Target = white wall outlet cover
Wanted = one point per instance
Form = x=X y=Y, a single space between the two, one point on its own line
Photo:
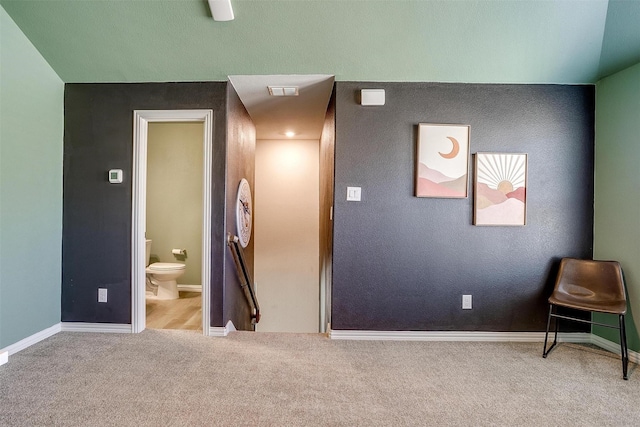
x=115 y=176
x=102 y=295
x=354 y=194
x=466 y=302
x=372 y=97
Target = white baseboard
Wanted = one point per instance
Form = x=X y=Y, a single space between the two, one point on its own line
x=96 y=327
x=217 y=331
x=614 y=348
x=190 y=288
x=31 y=340
x=221 y=331
x=4 y=357
x=580 y=337
x=573 y=337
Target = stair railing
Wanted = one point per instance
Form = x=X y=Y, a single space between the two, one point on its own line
x=244 y=276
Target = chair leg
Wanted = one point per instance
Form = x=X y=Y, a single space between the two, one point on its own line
x=624 y=351
x=545 y=352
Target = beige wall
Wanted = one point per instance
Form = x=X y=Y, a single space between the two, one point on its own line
x=174 y=194
x=286 y=235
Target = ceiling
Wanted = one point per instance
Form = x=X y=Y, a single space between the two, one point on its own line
x=274 y=115
x=472 y=41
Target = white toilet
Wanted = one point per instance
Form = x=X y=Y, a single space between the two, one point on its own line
x=164 y=275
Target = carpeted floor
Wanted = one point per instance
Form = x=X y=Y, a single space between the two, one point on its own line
x=180 y=378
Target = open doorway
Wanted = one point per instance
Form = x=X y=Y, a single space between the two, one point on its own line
x=174 y=225
x=294 y=120
x=170 y=247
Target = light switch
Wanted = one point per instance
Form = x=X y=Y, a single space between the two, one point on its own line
x=354 y=194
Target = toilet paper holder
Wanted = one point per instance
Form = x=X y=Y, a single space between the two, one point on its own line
x=179 y=254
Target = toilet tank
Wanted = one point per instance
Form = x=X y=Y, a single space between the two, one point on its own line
x=147 y=251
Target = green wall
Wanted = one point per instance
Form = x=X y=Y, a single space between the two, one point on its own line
x=31 y=130
x=617 y=181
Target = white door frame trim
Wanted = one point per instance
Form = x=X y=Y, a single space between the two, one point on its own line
x=141 y=120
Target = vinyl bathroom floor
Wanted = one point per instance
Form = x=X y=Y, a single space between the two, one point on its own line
x=182 y=313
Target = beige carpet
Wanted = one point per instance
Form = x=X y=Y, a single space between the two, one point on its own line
x=180 y=378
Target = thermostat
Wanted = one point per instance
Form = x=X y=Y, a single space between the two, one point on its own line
x=115 y=176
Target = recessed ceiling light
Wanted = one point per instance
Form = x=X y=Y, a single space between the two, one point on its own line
x=283 y=90
x=290 y=134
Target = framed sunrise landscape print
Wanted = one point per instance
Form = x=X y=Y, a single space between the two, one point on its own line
x=442 y=164
x=500 y=189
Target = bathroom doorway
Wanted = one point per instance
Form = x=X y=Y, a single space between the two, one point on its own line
x=171 y=219
x=174 y=225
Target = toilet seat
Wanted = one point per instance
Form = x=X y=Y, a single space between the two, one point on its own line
x=166 y=266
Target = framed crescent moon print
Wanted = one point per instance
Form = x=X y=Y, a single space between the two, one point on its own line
x=442 y=165
x=244 y=212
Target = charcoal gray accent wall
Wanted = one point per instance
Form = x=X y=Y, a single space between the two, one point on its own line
x=403 y=263
x=96 y=237
x=241 y=148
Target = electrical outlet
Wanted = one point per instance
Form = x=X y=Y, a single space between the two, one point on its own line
x=102 y=295
x=466 y=302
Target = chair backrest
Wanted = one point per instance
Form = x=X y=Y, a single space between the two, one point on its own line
x=601 y=279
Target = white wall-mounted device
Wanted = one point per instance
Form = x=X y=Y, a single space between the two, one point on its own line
x=115 y=176
x=466 y=302
x=102 y=294
x=221 y=10
x=372 y=97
